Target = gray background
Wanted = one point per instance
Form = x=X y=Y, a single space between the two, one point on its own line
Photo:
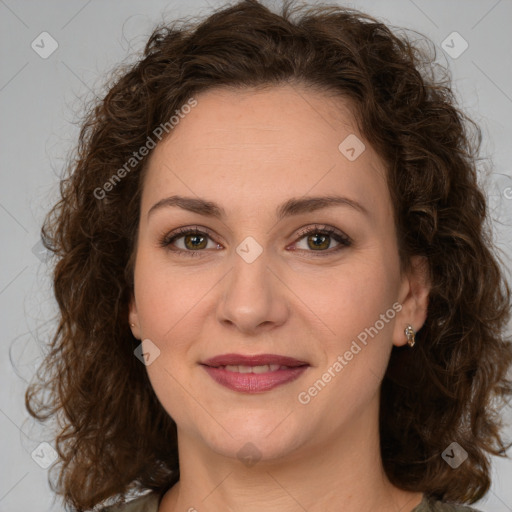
x=40 y=100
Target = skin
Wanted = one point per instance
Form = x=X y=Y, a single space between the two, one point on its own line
x=249 y=151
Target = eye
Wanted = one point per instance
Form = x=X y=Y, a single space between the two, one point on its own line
x=194 y=241
x=318 y=238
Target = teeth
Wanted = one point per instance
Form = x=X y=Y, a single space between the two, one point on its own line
x=254 y=369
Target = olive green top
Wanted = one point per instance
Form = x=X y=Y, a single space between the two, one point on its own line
x=431 y=505
x=150 y=502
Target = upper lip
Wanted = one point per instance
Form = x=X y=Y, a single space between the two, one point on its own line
x=256 y=360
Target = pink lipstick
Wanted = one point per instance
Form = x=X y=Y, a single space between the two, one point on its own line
x=253 y=374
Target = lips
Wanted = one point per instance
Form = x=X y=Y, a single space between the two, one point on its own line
x=253 y=374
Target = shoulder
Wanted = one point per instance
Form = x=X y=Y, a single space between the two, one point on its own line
x=147 y=503
x=432 y=505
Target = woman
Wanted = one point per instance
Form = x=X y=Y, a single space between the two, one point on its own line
x=276 y=283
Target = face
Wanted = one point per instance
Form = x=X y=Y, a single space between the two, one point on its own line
x=317 y=282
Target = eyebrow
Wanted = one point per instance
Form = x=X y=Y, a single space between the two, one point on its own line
x=294 y=206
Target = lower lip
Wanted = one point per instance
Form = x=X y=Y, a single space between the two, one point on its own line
x=254 y=382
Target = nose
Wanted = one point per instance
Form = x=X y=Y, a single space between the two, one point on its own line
x=253 y=298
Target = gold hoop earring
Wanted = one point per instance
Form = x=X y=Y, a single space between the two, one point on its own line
x=409 y=332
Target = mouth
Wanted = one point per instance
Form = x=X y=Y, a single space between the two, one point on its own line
x=253 y=374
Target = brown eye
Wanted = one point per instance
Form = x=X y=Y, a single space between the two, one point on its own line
x=194 y=241
x=318 y=239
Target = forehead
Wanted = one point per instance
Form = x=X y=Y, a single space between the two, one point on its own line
x=262 y=146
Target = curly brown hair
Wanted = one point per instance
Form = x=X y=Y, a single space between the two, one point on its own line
x=114 y=435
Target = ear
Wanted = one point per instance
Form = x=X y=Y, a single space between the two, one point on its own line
x=133 y=318
x=413 y=296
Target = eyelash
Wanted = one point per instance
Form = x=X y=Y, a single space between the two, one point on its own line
x=338 y=236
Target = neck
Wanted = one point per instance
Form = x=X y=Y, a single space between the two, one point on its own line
x=344 y=472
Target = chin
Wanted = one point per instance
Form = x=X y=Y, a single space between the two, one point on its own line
x=255 y=437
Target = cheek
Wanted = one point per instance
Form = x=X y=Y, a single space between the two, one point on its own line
x=164 y=295
x=358 y=352
x=356 y=299
x=165 y=304
x=172 y=302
